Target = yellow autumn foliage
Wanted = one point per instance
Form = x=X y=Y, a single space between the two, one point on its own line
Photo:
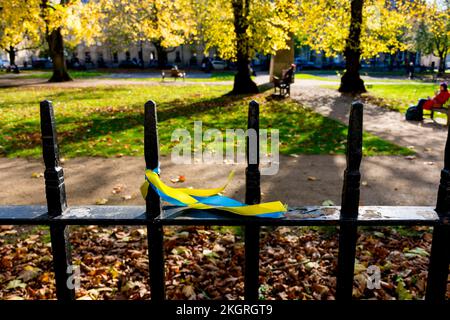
x=325 y=26
x=170 y=23
x=25 y=22
x=18 y=23
x=271 y=24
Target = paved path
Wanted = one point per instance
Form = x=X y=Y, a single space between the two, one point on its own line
x=427 y=138
x=303 y=180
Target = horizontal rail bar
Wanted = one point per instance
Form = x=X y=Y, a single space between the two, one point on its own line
x=23 y=215
x=306 y=216
x=135 y=215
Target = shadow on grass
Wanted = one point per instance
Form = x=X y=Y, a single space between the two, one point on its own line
x=26 y=134
x=114 y=130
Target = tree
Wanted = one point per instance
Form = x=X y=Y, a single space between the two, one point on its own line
x=238 y=29
x=19 y=26
x=356 y=28
x=242 y=80
x=26 y=22
x=432 y=21
x=69 y=21
x=351 y=81
x=165 y=24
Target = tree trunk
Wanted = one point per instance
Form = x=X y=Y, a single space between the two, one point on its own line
x=441 y=70
x=12 y=55
x=161 y=55
x=56 y=50
x=351 y=82
x=391 y=62
x=243 y=83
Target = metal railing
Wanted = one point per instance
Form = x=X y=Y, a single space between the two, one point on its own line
x=58 y=216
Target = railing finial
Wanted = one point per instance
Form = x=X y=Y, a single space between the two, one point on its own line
x=155 y=236
x=352 y=175
x=350 y=204
x=252 y=173
x=56 y=202
x=252 y=196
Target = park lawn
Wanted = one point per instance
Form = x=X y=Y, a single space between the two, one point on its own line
x=192 y=77
x=312 y=76
x=221 y=76
x=399 y=97
x=153 y=76
x=363 y=72
x=73 y=74
x=107 y=121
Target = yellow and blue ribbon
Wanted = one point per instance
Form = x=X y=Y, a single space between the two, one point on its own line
x=209 y=198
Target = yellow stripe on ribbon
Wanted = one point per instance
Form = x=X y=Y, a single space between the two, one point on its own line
x=186 y=197
x=208 y=192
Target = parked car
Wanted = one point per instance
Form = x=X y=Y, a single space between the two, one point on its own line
x=41 y=63
x=219 y=64
x=153 y=63
x=339 y=65
x=305 y=64
x=299 y=61
x=128 y=64
x=4 y=64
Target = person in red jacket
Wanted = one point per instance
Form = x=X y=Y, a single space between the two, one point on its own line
x=438 y=101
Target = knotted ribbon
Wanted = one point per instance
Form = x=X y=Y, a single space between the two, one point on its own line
x=209 y=198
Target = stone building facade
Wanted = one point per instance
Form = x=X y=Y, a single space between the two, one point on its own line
x=183 y=56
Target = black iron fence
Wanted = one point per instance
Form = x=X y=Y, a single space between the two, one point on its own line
x=58 y=216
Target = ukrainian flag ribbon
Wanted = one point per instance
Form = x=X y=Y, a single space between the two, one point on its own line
x=209 y=198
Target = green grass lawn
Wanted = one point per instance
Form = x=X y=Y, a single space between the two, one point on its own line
x=314 y=76
x=364 y=72
x=107 y=121
x=190 y=77
x=397 y=97
x=153 y=76
x=73 y=74
x=222 y=76
x=400 y=97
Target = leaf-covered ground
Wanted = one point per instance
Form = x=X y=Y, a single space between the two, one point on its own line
x=207 y=263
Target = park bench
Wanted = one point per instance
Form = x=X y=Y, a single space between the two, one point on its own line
x=348 y=217
x=173 y=73
x=283 y=84
x=441 y=109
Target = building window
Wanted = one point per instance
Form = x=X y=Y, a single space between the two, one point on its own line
x=115 y=57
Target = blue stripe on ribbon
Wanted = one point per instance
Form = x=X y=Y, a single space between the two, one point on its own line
x=168 y=199
x=216 y=200
x=222 y=201
x=271 y=215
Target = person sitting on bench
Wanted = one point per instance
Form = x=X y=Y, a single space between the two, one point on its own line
x=289 y=74
x=284 y=83
x=438 y=101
